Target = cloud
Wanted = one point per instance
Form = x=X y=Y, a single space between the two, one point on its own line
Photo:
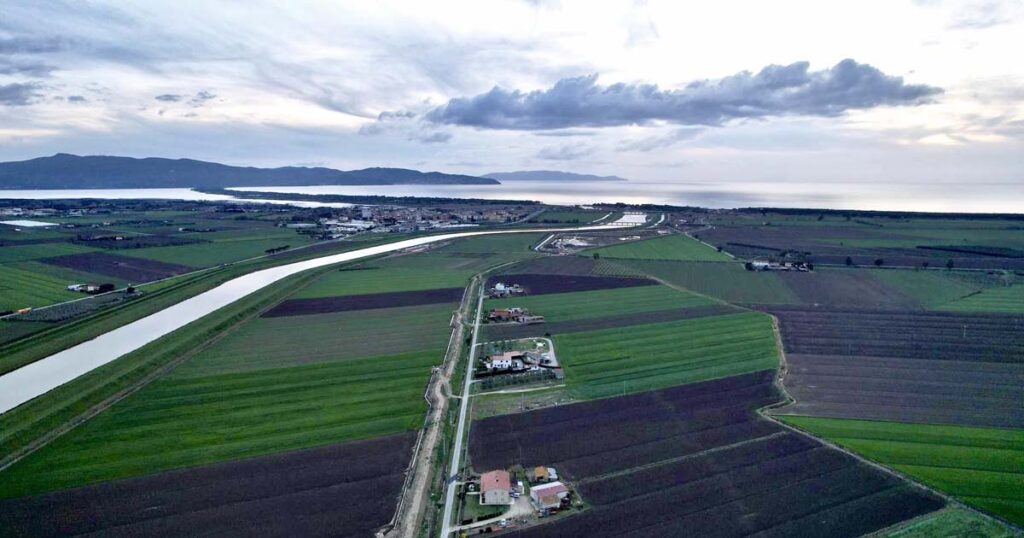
x=776 y=90
x=169 y=97
x=32 y=45
x=27 y=68
x=18 y=94
x=565 y=153
x=981 y=15
x=432 y=138
x=662 y=141
x=201 y=97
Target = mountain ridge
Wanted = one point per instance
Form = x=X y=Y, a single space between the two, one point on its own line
x=68 y=171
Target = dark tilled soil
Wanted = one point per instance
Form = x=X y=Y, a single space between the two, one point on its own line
x=925 y=367
x=342 y=490
x=541 y=284
x=509 y=332
x=967 y=393
x=121 y=267
x=323 y=305
x=695 y=460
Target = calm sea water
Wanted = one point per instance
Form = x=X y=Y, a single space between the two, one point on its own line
x=969 y=198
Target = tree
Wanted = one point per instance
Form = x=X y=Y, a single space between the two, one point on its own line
x=879 y=262
x=597 y=255
x=849 y=261
x=949 y=263
x=924 y=264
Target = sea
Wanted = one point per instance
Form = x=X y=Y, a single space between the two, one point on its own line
x=929 y=197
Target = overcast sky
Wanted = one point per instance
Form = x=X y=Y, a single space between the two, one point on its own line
x=887 y=91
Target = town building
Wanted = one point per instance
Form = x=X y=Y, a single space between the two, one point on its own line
x=495 y=487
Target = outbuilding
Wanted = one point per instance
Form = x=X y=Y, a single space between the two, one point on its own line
x=548 y=497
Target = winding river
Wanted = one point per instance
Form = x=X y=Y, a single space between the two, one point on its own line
x=44 y=375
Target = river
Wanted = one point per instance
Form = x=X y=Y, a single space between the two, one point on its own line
x=42 y=376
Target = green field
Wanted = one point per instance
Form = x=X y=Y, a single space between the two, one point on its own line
x=601 y=303
x=929 y=288
x=606 y=363
x=1004 y=299
x=24 y=287
x=296 y=340
x=949 y=523
x=670 y=247
x=728 y=281
x=983 y=467
x=20 y=253
x=216 y=253
x=569 y=217
x=181 y=421
x=402 y=273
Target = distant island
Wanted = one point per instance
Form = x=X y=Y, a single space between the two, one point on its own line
x=65 y=171
x=549 y=175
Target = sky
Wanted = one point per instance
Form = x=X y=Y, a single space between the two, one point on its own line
x=923 y=92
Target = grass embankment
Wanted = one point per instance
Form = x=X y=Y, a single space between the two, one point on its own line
x=602 y=303
x=983 y=467
x=607 y=363
x=669 y=247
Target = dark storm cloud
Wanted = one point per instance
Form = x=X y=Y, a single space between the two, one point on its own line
x=18 y=94
x=76 y=99
x=777 y=90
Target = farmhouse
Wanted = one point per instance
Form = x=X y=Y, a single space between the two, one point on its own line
x=506 y=314
x=547 y=497
x=494 y=488
x=510 y=360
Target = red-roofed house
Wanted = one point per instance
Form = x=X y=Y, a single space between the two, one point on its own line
x=548 y=496
x=494 y=488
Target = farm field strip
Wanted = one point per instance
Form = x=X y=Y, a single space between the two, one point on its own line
x=670 y=247
x=511 y=332
x=545 y=283
x=648 y=357
x=231 y=416
x=727 y=281
x=297 y=340
x=1006 y=299
x=314 y=492
x=21 y=253
x=120 y=267
x=694 y=459
x=216 y=253
x=911 y=390
x=982 y=467
x=20 y=289
x=374 y=301
x=561 y=307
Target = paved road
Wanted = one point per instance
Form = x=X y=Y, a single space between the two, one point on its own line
x=460 y=431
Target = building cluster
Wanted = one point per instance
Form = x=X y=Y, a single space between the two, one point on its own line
x=382 y=219
x=500 y=289
x=519 y=361
x=513 y=315
x=548 y=495
x=761 y=265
